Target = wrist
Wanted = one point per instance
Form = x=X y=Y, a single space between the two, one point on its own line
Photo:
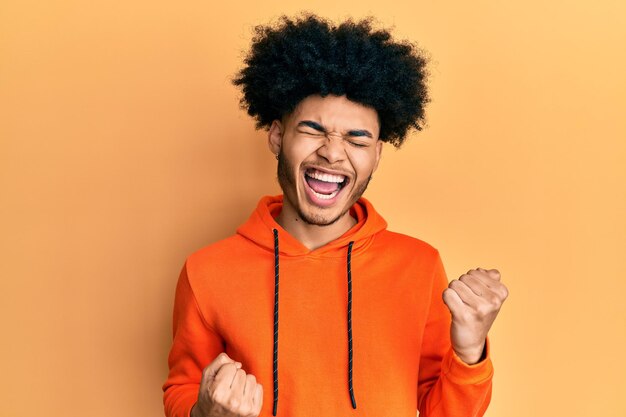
x=471 y=356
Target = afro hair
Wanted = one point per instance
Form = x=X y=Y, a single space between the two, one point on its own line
x=297 y=58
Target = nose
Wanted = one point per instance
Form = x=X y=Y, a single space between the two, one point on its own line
x=332 y=148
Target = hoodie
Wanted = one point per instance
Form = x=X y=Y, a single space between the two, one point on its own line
x=356 y=327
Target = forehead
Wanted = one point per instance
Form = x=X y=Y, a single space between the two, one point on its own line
x=335 y=113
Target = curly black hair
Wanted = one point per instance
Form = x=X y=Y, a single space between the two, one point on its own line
x=308 y=55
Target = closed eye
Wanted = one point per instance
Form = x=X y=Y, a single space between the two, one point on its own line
x=314 y=129
x=357 y=144
x=311 y=133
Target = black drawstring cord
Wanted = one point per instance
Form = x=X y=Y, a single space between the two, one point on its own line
x=350 y=325
x=275 y=321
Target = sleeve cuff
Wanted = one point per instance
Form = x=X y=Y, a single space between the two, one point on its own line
x=461 y=373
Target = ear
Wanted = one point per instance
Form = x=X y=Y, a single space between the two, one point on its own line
x=275 y=136
x=379 y=150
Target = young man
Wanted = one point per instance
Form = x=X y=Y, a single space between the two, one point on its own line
x=368 y=323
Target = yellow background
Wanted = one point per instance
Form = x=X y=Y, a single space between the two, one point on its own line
x=123 y=150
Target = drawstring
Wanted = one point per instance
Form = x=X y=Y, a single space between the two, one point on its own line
x=350 y=326
x=276 y=323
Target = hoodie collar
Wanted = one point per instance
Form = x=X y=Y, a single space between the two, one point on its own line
x=258 y=228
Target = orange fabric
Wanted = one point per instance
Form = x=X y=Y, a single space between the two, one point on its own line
x=402 y=362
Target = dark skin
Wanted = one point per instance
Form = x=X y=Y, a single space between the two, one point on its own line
x=339 y=138
x=333 y=136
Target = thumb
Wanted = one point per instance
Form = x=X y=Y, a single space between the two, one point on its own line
x=211 y=370
x=452 y=301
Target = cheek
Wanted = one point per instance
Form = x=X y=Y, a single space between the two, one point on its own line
x=300 y=152
x=363 y=163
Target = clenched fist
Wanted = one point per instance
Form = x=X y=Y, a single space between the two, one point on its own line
x=474 y=301
x=226 y=391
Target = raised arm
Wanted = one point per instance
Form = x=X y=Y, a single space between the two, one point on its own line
x=455 y=367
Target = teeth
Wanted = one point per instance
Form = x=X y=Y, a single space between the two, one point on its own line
x=322 y=176
x=325 y=196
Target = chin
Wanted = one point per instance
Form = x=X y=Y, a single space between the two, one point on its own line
x=320 y=219
x=323 y=212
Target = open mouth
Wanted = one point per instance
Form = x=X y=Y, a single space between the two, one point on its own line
x=324 y=186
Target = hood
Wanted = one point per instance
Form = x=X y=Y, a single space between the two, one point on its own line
x=261 y=223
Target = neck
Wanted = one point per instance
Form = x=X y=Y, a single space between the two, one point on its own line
x=310 y=235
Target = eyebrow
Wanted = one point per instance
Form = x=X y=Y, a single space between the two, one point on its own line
x=320 y=128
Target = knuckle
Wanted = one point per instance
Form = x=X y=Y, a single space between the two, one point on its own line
x=495 y=304
x=216 y=395
x=222 y=358
x=505 y=292
x=484 y=309
x=233 y=403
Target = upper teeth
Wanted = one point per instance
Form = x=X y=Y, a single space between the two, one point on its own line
x=322 y=176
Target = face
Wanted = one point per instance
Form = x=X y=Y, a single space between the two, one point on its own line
x=328 y=148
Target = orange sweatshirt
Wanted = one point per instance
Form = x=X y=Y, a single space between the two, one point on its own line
x=374 y=335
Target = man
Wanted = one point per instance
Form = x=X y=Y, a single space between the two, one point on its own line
x=368 y=323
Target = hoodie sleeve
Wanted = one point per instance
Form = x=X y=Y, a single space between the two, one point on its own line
x=195 y=345
x=448 y=387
